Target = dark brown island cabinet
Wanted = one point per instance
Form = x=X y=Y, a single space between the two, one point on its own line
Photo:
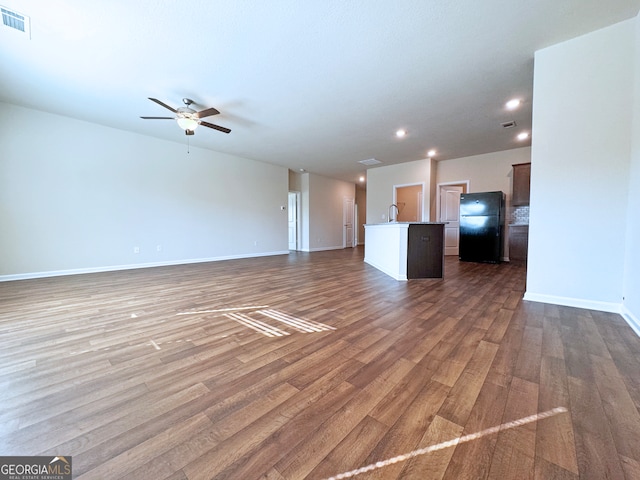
x=519 y=233
x=425 y=250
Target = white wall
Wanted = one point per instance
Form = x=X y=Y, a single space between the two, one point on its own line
x=631 y=286
x=380 y=186
x=486 y=173
x=295 y=181
x=77 y=196
x=580 y=169
x=322 y=200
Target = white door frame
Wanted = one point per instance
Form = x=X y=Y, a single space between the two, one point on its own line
x=348 y=242
x=297 y=218
x=417 y=184
x=356 y=225
x=441 y=187
x=464 y=183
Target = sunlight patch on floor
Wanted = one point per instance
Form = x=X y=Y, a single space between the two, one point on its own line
x=222 y=310
x=451 y=443
x=257 y=325
x=262 y=320
x=305 y=326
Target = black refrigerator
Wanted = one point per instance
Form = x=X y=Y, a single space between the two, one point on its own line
x=481 y=227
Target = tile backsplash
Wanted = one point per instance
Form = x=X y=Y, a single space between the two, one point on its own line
x=520 y=214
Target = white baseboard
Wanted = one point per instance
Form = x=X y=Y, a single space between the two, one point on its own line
x=394 y=275
x=112 y=268
x=574 y=302
x=611 y=307
x=631 y=319
x=322 y=249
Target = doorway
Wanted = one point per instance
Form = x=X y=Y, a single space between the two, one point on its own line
x=409 y=199
x=293 y=217
x=448 y=209
x=348 y=231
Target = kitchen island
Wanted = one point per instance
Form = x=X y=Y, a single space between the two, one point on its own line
x=405 y=250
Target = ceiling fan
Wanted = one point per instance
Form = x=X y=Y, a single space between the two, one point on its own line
x=187 y=118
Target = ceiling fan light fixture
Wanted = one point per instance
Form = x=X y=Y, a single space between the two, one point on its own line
x=187 y=123
x=187 y=118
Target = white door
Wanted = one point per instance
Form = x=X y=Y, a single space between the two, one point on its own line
x=293 y=221
x=347 y=216
x=450 y=212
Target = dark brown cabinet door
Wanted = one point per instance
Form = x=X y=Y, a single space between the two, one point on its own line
x=425 y=251
x=521 y=184
x=518 y=243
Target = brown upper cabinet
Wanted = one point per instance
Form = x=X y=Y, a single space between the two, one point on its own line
x=521 y=184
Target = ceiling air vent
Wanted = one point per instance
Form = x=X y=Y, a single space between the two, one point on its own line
x=510 y=124
x=15 y=21
x=370 y=161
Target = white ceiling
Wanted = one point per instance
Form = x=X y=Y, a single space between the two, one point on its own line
x=306 y=84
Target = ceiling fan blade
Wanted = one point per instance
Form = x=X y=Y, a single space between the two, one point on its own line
x=159 y=118
x=162 y=104
x=215 y=127
x=207 y=113
x=189 y=132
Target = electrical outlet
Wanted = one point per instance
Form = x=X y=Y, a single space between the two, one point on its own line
x=255 y=243
x=136 y=249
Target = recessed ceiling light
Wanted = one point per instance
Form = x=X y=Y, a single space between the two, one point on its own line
x=362 y=179
x=431 y=153
x=401 y=133
x=513 y=104
x=523 y=136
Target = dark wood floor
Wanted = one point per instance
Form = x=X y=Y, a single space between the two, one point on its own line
x=315 y=366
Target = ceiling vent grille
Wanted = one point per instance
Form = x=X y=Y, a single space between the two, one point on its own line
x=510 y=124
x=370 y=161
x=15 y=21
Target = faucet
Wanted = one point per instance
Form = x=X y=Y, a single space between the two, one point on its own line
x=391 y=207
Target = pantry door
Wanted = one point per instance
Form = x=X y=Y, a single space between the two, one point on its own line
x=450 y=212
